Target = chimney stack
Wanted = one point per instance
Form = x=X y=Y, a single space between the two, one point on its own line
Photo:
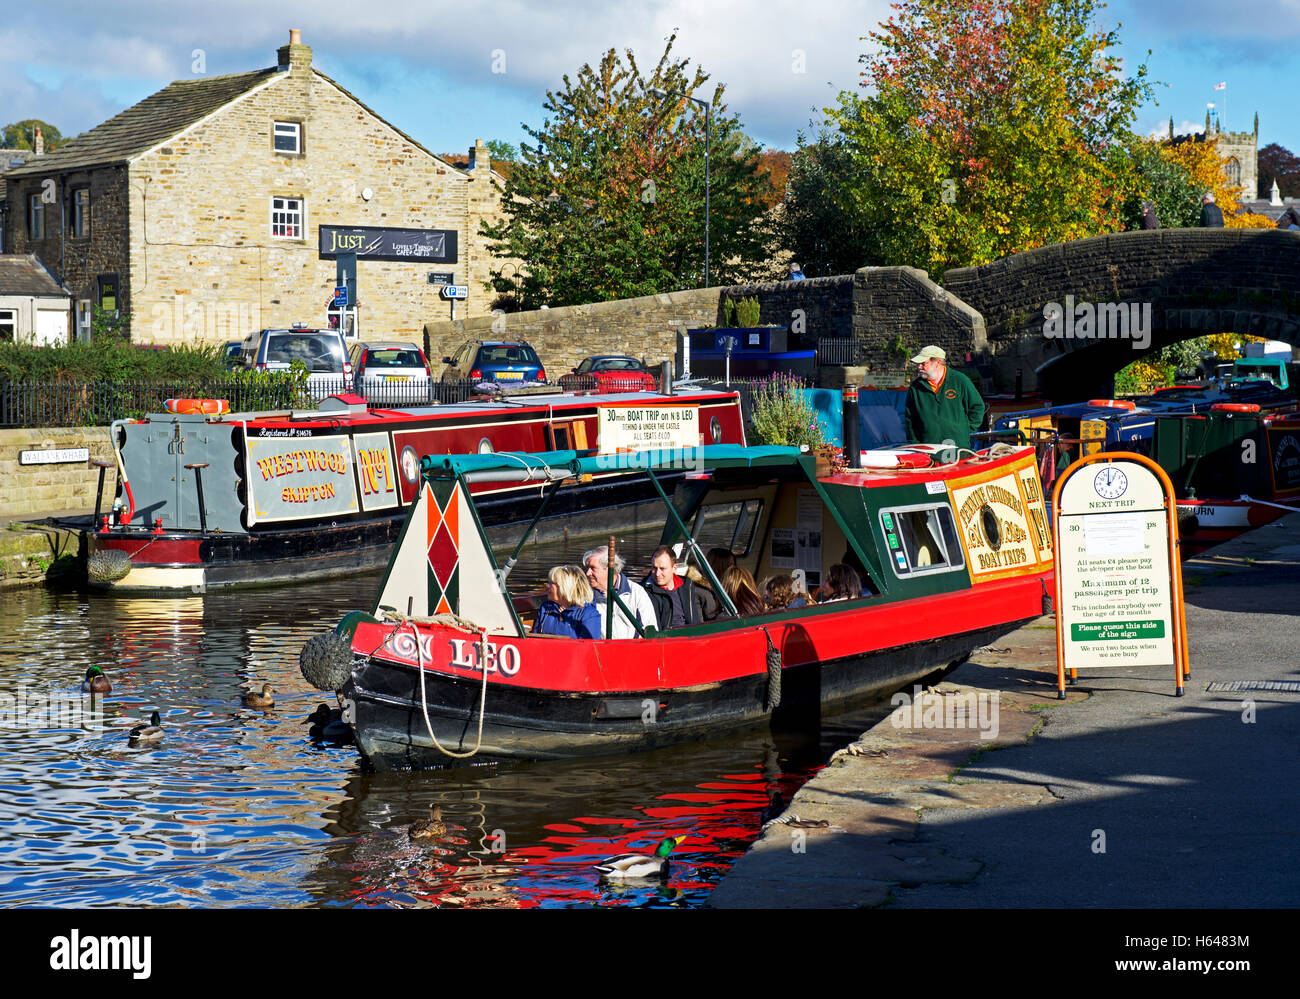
x=294 y=57
x=39 y=142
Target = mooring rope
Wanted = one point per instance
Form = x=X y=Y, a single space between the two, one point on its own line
x=424 y=702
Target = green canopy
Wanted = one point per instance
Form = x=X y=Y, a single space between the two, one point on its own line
x=587 y=463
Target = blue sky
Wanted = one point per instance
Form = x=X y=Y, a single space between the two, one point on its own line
x=429 y=66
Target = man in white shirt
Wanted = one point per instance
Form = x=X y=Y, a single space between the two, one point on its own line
x=633 y=595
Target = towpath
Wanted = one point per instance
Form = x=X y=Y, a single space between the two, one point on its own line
x=1121 y=796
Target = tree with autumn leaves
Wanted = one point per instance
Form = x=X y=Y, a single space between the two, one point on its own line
x=986 y=127
x=608 y=201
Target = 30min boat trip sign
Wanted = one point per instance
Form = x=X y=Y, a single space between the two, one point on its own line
x=639 y=427
x=1118 y=599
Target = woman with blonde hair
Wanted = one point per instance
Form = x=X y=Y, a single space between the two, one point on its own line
x=569 y=608
x=743 y=591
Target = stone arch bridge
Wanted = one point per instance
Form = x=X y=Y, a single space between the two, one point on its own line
x=1066 y=317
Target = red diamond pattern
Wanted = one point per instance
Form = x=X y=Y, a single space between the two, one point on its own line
x=442 y=555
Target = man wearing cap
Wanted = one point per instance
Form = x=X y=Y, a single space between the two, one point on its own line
x=942 y=406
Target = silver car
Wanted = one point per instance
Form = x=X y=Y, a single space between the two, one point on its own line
x=321 y=351
x=391 y=373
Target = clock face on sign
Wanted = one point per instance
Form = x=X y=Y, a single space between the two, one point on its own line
x=1110 y=482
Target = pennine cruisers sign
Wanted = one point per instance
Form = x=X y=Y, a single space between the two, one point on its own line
x=436 y=246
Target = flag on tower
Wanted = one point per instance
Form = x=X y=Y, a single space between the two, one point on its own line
x=1222 y=86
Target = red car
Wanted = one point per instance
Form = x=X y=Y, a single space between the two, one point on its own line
x=609 y=373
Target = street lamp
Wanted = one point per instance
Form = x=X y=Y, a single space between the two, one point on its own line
x=707 y=143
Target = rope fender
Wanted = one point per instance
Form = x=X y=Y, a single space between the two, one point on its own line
x=774 y=665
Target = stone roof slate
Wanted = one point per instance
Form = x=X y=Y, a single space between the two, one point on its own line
x=142 y=126
x=22 y=274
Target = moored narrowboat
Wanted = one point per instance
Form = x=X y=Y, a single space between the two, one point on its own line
x=444 y=666
x=232 y=499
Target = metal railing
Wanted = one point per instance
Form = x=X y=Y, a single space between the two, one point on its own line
x=837 y=350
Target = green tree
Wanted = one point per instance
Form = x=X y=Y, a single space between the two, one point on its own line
x=608 y=201
x=989 y=127
x=819 y=224
x=502 y=150
x=1171 y=189
x=22 y=135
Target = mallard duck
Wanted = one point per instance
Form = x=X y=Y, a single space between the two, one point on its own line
x=96 y=682
x=636 y=865
x=261 y=701
x=145 y=734
x=430 y=828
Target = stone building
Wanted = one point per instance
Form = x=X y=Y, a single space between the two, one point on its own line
x=33 y=308
x=216 y=207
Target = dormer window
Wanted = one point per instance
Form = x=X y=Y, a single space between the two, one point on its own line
x=287 y=138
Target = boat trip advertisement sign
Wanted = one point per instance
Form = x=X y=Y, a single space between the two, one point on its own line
x=299 y=478
x=1002 y=521
x=1115 y=582
x=640 y=427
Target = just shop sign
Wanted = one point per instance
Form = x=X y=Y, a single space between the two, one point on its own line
x=437 y=246
x=1102 y=321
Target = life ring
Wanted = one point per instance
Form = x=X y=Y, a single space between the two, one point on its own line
x=1235 y=407
x=205 y=407
x=1112 y=403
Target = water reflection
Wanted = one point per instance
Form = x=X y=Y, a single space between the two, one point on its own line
x=244 y=807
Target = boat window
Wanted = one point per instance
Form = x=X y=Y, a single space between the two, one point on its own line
x=728 y=525
x=921 y=539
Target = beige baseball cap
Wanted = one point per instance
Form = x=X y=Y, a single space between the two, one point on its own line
x=930 y=353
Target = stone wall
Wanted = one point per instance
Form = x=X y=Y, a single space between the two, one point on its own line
x=32 y=491
x=812 y=309
x=648 y=328
x=898 y=310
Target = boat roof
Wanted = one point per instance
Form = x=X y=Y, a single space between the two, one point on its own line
x=713 y=456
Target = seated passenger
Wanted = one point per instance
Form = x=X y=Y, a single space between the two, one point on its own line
x=569 y=608
x=635 y=599
x=780 y=593
x=842 y=583
x=679 y=599
x=743 y=591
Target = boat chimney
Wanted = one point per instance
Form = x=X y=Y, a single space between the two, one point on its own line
x=852 y=446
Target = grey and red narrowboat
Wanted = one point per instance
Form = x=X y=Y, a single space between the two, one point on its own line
x=217 y=500
x=444 y=666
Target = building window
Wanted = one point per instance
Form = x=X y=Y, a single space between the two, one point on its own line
x=84 y=313
x=81 y=212
x=287 y=137
x=8 y=325
x=35 y=217
x=1233 y=170
x=286 y=218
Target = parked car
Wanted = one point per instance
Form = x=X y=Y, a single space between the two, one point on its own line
x=390 y=372
x=609 y=373
x=495 y=361
x=321 y=350
x=231 y=354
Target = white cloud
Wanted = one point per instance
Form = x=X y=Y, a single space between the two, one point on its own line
x=1183 y=127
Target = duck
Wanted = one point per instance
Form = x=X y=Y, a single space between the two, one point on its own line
x=430 y=828
x=96 y=682
x=144 y=734
x=636 y=865
x=262 y=701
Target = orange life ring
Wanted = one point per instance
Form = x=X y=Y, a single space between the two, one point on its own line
x=1235 y=407
x=205 y=407
x=1112 y=403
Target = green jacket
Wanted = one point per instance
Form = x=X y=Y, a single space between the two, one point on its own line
x=952 y=413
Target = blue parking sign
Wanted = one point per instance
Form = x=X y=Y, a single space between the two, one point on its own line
x=341 y=297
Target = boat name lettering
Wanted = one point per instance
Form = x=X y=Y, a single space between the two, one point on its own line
x=376 y=471
x=990 y=492
x=302 y=461
x=503 y=658
x=307 y=494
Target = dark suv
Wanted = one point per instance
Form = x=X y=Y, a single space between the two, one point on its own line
x=504 y=362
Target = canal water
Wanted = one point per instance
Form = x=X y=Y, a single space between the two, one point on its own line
x=237 y=807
